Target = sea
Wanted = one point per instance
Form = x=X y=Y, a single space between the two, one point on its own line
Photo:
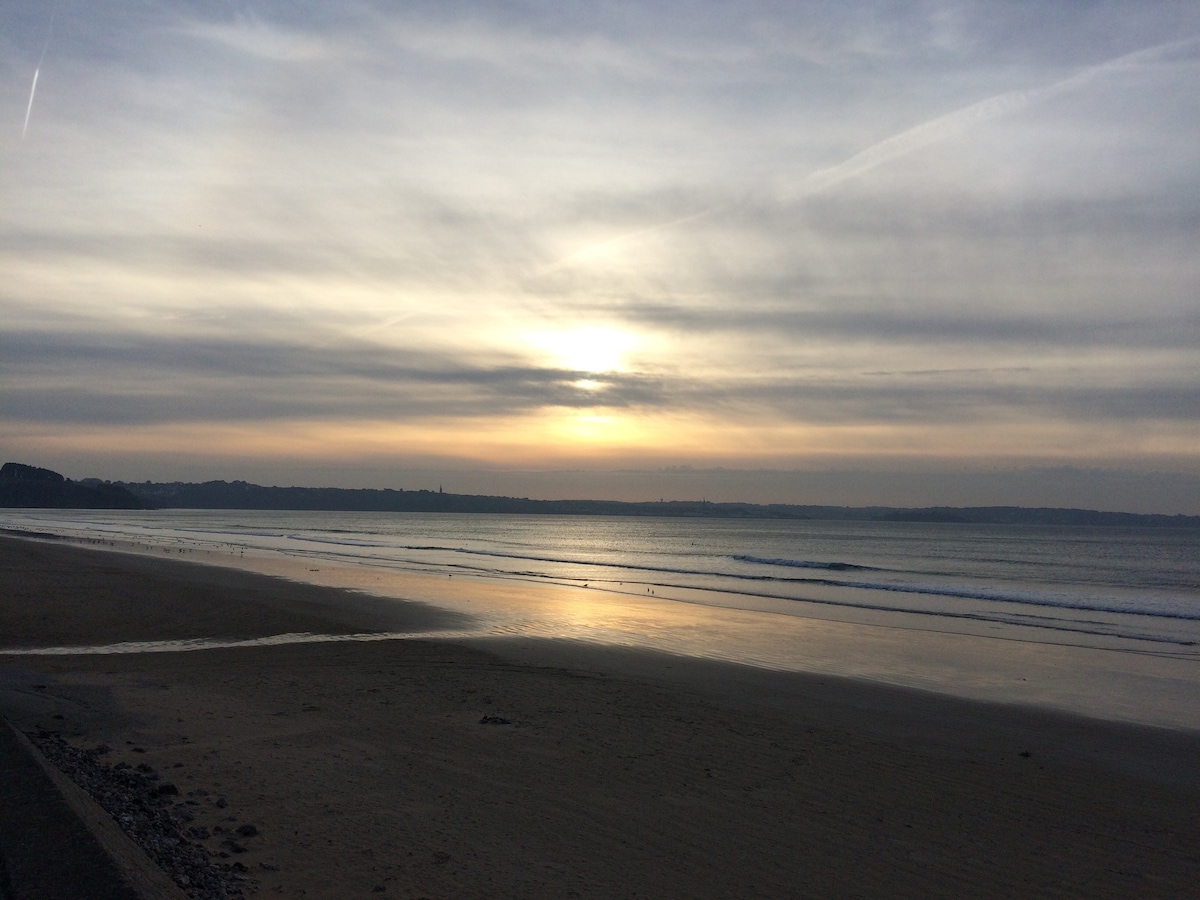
x=1100 y=620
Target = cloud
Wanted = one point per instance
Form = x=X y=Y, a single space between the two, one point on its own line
x=58 y=377
x=155 y=379
x=913 y=139
x=959 y=121
x=250 y=35
x=922 y=326
x=801 y=216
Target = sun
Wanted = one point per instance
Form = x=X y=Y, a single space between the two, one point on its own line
x=593 y=350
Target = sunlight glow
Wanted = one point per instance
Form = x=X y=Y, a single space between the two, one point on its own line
x=554 y=437
x=588 y=349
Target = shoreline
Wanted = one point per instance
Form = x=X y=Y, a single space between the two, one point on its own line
x=521 y=767
x=1107 y=681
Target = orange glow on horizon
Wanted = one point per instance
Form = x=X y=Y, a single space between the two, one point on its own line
x=606 y=437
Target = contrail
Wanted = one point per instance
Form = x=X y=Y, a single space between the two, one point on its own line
x=38 y=68
x=910 y=140
x=29 y=109
x=954 y=123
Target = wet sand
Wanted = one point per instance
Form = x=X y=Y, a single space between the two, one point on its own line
x=551 y=769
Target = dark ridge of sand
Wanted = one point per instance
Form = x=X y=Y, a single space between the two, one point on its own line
x=66 y=595
x=437 y=769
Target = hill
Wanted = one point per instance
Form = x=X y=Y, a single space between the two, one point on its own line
x=30 y=487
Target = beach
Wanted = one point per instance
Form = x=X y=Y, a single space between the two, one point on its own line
x=457 y=767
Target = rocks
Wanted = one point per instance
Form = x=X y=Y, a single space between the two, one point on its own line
x=494 y=720
x=142 y=808
x=247 y=830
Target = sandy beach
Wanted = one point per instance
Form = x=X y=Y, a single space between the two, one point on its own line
x=442 y=769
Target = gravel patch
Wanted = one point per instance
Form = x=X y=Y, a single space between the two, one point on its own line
x=141 y=803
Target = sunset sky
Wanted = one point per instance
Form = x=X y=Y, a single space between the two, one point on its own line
x=902 y=253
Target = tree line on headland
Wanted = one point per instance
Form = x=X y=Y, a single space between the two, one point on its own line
x=31 y=487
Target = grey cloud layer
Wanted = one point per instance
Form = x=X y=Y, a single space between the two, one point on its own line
x=161 y=380
x=923 y=327
x=127 y=381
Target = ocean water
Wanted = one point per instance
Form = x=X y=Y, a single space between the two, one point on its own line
x=769 y=592
x=1138 y=584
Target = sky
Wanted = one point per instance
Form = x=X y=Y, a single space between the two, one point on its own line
x=890 y=253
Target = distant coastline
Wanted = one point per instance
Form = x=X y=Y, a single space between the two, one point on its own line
x=28 y=487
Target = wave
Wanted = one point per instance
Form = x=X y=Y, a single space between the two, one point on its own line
x=377 y=549
x=832 y=582
x=526 y=557
x=1085 y=603
x=1156 y=607
x=805 y=564
x=1030 y=620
